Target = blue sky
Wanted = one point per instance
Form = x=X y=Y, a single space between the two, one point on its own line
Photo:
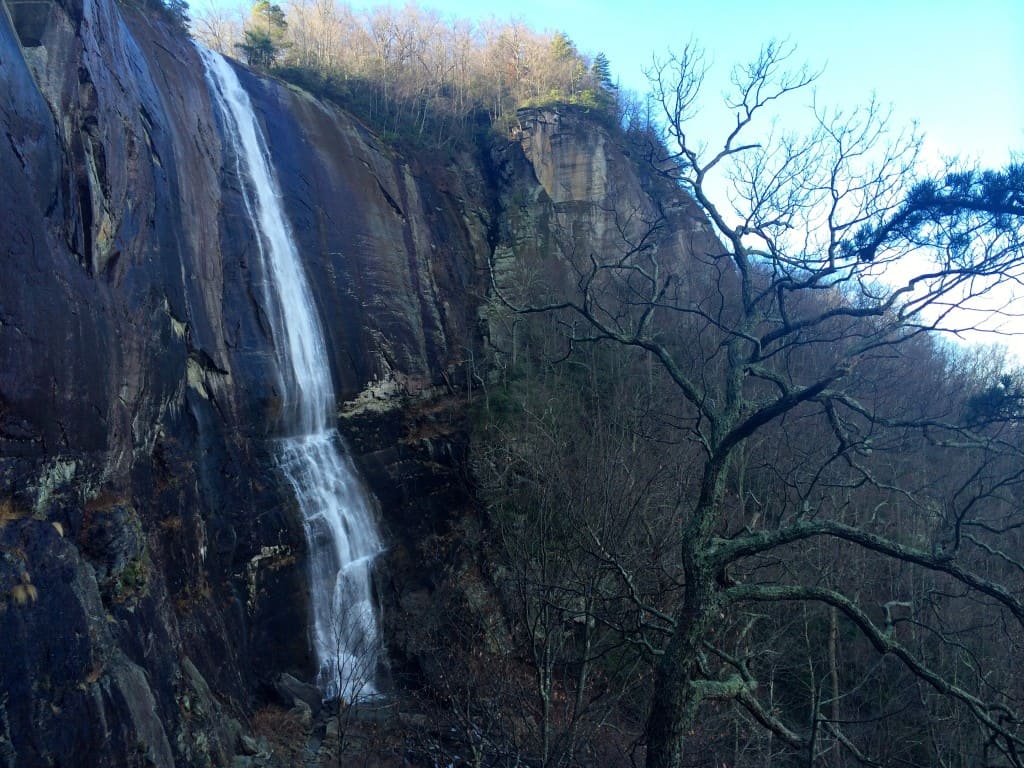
x=956 y=67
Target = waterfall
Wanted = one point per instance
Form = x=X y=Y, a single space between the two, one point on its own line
x=336 y=511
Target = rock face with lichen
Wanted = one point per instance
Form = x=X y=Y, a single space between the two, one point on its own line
x=151 y=557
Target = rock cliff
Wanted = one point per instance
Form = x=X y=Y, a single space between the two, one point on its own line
x=151 y=559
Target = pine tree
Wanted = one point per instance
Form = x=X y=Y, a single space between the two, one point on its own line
x=602 y=72
x=264 y=35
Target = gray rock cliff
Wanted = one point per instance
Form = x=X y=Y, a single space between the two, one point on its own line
x=151 y=559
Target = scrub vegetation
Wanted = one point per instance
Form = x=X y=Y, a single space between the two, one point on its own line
x=411 y=72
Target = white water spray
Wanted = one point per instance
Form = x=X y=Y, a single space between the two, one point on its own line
x=336 y=512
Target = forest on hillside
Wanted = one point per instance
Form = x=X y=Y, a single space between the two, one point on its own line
x=755 y=504
x=409 y=71
x=747 y=506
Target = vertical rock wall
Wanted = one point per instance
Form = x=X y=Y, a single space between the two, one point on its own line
x=151 y=559
x=149 y=552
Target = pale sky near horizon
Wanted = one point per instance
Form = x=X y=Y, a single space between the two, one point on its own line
x=956 y=68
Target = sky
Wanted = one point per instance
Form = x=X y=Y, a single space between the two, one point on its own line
x=954 y=66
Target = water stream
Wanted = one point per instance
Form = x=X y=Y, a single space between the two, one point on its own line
x=336 y=511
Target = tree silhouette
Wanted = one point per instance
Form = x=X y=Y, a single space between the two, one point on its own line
x=793 y=346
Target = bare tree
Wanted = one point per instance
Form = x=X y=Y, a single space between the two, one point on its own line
x=357 y=651
x=572 y=497
x=795 y=343
x=219 y=27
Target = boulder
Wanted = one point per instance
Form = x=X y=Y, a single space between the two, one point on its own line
x=292 y=691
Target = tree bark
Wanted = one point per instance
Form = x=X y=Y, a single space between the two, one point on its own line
x=678 y=684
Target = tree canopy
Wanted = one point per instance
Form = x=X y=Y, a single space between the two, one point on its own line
x=264 y=35
x=409 y=71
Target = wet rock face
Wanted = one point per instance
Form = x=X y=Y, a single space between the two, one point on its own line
x=393 y=246
x=152 y=561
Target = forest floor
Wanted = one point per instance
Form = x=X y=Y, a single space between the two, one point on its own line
x=388 y=733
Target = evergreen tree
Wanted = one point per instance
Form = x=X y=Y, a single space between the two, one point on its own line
x=563 y=48
x=177 y=12
x=264 y=35
x=602 y=72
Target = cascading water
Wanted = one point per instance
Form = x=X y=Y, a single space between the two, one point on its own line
x=336 y=512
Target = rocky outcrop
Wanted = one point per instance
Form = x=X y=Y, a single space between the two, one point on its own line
x=152 y=582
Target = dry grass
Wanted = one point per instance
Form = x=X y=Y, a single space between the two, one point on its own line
x=283 y=730
x=9 y=512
